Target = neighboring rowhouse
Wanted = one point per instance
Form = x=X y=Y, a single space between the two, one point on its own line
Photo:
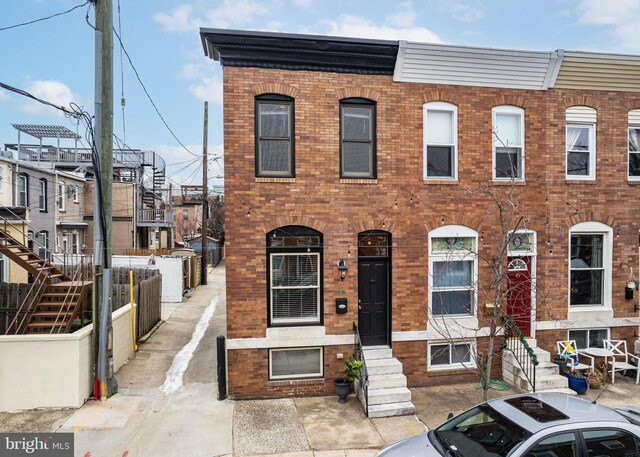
x=381 y=156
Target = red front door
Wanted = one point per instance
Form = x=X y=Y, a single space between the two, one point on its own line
x=519 y=292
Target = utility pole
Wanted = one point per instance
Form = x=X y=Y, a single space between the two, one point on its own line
x=205 y=196
x=102 y=325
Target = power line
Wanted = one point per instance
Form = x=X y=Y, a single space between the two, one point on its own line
x=144 y=88
x=24 y=93
x=122 y=99
x=43 y=18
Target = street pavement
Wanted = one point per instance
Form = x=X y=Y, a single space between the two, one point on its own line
x=142 y=420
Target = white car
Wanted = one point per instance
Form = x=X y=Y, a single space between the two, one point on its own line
x=531 y=425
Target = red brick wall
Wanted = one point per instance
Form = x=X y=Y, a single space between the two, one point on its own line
x=316 y=197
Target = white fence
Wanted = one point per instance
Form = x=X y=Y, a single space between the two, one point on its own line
x=55 y=371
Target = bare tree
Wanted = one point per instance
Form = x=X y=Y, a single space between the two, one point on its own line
x=216 y=218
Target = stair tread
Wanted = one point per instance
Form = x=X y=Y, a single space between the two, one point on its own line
x=383 y=362
x=388 y=390
x=46 y=324
x=392 y=406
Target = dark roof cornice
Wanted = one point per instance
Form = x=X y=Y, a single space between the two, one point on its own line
x=235 y=48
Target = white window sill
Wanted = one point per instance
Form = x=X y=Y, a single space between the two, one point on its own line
x=308 y=331
x=456 y=326
x=589 y=313
x=457 y=366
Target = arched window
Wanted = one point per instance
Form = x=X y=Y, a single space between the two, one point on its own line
x=274 y=133
x=358 y=138
x=440 y=140
x=590 y=260
x=453 y=271
x=508 y=143
x=581 y=142
x=294 y=276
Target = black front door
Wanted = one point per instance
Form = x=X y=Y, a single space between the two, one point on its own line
x=373 y=301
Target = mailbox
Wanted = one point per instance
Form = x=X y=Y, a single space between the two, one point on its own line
x=341 y=305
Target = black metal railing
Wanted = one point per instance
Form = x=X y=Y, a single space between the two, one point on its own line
x=364 y=374
x=516 y=343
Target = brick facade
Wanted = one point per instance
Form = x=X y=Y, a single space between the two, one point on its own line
x=340 y=209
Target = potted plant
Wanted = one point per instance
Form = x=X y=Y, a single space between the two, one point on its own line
x=577 y=382
x=351 y=373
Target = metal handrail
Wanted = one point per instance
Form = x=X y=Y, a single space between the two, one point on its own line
x=34 y=299
x=72 y=290
x=364 y=374
x=516 y=343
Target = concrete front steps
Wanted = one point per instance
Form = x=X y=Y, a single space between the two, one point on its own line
x=548 y=378
x=388 y=392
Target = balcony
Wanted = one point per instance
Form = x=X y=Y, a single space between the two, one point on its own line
x=155 y=217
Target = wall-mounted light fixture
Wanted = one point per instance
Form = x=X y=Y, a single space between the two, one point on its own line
x=342 y=269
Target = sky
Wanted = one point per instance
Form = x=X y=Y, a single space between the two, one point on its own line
x=54 y=59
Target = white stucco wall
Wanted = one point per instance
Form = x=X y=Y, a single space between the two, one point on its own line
x=170 y=268
x=55 y=371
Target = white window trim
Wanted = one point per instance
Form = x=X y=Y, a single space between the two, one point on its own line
x=458 y=231
x=62 y=198
x=507 y=109
x=607 y=329
x=319 y=374
x=75 y=191
x=593 y=228
x=629 y=177
x=452 y=366
x=42 y=195
x=278 y=321
x=440 y=106
x=19 y=193
x=592 y=152
x=4 y=268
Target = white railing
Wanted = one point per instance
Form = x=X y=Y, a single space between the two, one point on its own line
x=156 y=215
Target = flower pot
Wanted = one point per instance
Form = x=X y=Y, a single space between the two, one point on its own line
x=343 y=387
x=578 y=383
x=594 y=382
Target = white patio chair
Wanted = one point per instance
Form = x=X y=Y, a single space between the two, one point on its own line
x=568 y=349
x=621 y=358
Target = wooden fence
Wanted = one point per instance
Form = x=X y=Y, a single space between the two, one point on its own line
x=146 y=252
x=147 y=293
x=11 y=297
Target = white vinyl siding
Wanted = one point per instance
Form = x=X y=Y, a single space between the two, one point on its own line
x=298 y=363
x=508 y=143
x=440 y=141
x=295 y=288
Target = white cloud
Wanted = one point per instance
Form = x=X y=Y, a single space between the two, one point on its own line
x=303 y=3
x=400 y=25
x=3 y=95
x=52 y=91
x=208 y=89
x=229 y=13
x=463 y=12
x=622 y=16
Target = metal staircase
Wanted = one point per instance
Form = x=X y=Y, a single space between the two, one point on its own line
x=55 y=299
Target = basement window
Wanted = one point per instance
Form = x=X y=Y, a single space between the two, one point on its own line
x=298 y=363
x=452 y=355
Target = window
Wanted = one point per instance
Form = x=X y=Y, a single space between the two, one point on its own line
x=185 y=215
x=61 y=196
x=274 y=116
x=452 y=356
x=75 y=243
x=561 y=445
x=4 y=277
x=453 y=267
x=23 y=190
x=41 y=244
x=634 y=153
x=634 y=144
x=589 y=338
x=42 y=196
x=441 y=141
x=508 y=143
x=74 y=194
x=357 y=138
x=295 y=363
x=65 y=242
x=580 y=142
x=294 y=256
x=590 y=265
x=610 y=442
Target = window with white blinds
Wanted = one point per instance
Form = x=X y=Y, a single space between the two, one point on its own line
x=295 y=290
x=294 y=259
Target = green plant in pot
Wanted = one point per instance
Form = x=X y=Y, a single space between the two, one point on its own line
x=351 y=373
